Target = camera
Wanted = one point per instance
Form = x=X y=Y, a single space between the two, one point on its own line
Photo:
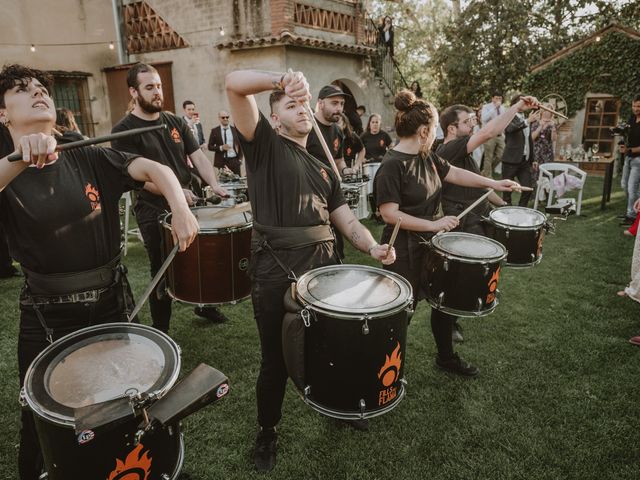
x=621 y=129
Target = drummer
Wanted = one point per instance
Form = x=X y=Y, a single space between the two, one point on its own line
x=457 y=122
x=408 y=186
x=63 y=227
x=174 y=147
x=294 y=197
x=376 y=141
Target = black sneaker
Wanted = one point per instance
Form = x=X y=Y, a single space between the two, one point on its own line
x=264 y=452
x=210 y=313
x=457 y=365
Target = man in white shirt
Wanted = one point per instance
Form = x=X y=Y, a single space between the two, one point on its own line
x=493 y=148
x=223 y=141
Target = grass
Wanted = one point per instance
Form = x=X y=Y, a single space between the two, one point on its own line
x=556 y=398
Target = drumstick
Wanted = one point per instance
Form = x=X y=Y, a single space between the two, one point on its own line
x=523 y=189
x=327 y=152
x=154 y=282
x=394 y=234
x=542 y=107
x=474 y=204
x=14 y=157
x=226 y=212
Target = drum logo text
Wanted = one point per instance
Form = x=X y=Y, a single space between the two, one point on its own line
x=86 y=436
x=134 y=464
x=388 y=375
x=243 y=264
x=493 y=285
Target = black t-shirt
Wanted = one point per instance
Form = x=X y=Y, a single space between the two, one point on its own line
x=454 y=197
x=6 y=142
x=376 y=145
x=288 y=187
x=633 y=139
x=65 y=217
x=413 y=182
x=169 y=146
x=351 y=147
x=332 y=135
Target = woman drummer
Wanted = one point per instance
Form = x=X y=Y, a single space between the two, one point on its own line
x=408 y=187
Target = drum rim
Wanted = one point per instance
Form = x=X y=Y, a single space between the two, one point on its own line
x=446 y=254
x=518 y=227
x=304 y=279
x=66 y=420
x=237 y=228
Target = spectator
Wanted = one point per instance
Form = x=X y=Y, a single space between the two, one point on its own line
x=385 y=34
x=633 y=289
x=67 y=126
x=193 y=121
x=518 y=160
x=352 y=148
x=223 y=141
x=415 y=88
x=545 y=136
x=494 y=148
x=631 y=171
x=375 y=140
x=361 y=109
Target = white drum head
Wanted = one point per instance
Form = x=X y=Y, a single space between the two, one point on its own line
x=468 y=245
x=354 y=289
x=517 y=217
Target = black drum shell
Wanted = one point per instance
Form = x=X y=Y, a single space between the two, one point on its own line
x=65 y=458
x=342 y=363
x=470 y=288
x=524 y=247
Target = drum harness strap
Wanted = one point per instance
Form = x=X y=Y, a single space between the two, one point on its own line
x=42 y=289
x=290 y=238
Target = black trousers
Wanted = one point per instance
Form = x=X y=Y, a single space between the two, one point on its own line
x=441 y=323
x=63 y=319
x=523 y=171
x=268 y=308
x=148 y=219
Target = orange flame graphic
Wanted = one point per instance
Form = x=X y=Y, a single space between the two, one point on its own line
x=135 y=466
x=391 y=368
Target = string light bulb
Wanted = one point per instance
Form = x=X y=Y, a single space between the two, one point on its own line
x=111 y=46
x=222 y=31
x=33 y=47
x=598 y=38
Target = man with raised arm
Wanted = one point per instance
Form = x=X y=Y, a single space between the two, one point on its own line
x=294 y=198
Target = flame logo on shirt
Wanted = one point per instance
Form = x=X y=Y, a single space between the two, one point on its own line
x=176 y=135
x=390 y=371
x=324 y=174
x=382 y=142
x=336 y=145
x=135 y=466
x=93 y=195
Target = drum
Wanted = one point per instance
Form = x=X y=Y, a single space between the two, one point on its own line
x=522 y=231
x=238 y=193
x=354 y=319
x=94 y=365
x=214 y=269
x=354 y=195
x=462 y=272
x=370 y=169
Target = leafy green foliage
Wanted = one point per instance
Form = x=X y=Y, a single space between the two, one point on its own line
x=609 y=66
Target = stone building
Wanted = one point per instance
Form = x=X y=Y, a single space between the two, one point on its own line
x=89 y=44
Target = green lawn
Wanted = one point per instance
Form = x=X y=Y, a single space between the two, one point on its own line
x=556 y=397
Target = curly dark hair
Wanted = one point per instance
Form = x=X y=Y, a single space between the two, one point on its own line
x=12 y=75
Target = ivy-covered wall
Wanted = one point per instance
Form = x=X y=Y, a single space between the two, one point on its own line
x=610 y=66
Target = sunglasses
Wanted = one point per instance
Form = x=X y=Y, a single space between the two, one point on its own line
x=224 y=118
